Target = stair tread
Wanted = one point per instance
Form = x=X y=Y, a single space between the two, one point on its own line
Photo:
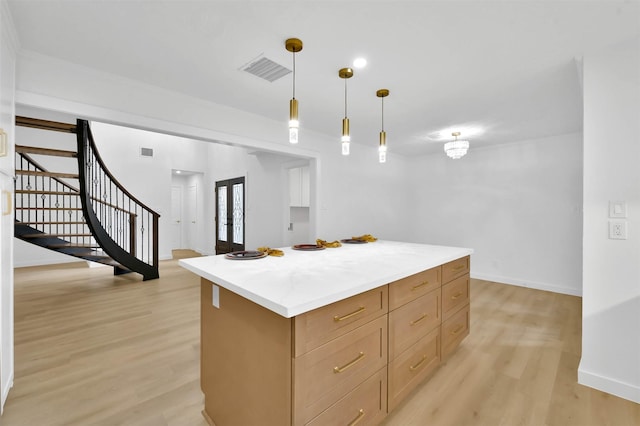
x=42 y=191
x=56 y=235
x=45 y=151
x=51 y=223
x=72 y=245
x=45 y=124
x=48 y=208
x=48 y=174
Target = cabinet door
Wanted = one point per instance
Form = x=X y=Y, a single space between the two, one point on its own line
x=304 y=186
x=295 y=187
x=299 y=187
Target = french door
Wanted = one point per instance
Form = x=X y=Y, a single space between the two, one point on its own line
x=230 y=215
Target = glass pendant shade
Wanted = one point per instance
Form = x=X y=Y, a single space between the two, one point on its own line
x=382 y=148
x=293 y=121
x=346 y=138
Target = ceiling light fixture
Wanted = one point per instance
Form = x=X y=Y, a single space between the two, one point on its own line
x=382 y=148
x=359 y=63
x=345 y=73
x=293 y=45
x=456 y=149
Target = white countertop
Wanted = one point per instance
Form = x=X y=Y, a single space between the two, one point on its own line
x=301 y=281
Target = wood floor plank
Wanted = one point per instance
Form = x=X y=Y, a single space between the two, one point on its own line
x=97 y=349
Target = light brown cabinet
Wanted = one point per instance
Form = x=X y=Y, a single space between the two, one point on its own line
x=345 y=363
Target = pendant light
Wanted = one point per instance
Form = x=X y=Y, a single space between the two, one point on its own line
x=345 y=73
x=456 y=149
x=382 y=148
x=293 y=45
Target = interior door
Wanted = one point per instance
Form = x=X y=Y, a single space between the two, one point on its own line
x=230 y=215
x=176 y=217
x=192 y=214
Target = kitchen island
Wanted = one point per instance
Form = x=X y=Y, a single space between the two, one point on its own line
x=333 y=336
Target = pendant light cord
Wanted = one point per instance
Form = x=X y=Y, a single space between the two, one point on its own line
x=382 y=113
x=345 y=98
x=294 y=74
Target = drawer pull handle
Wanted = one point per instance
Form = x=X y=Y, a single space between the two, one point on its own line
x=352 y=314
x=358 y=418
x=458 y=268
x=415 y=367
x=457 y=330
x=414 y=322
x=349 y=364
x=455 y=296
x=422 y=284
x=8 y=206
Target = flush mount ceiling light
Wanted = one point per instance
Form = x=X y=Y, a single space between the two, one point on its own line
x=293 y=45
x=345 y=73
x=382 y=148
x=456 y=149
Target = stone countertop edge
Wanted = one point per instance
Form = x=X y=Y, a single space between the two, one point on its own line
x=302 y=281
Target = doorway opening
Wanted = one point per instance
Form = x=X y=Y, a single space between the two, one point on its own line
x=230 y=195
x=186 y=210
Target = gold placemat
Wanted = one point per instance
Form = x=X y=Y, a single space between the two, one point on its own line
x=366 y=237
x=331 y=244
x=271 y=252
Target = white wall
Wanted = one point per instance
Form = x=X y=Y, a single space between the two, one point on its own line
x=611 y=287
x=352 y=195
x=519 y=206
x=149 y=178
x=8 y=47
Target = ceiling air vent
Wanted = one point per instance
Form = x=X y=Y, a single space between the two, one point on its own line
x=146 y=152
x=266 y=69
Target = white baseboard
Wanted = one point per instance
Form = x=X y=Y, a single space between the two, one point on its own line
x=527 y=284
x=606 y=384
x=5 y=391
x=43 y=262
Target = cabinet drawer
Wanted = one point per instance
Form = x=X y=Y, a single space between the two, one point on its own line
x=455 y=269
x=412 y=366
x=412 y=287
x=454 y=295
x=321 y=325
x=454 y=330
x=327 y=373
x=411 y=322
x=365 y=405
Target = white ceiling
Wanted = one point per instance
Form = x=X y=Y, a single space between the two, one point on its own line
x=507 y=68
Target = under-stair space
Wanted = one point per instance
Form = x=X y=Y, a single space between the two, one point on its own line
x=67 y=201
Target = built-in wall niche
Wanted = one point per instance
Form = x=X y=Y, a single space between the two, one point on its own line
x=299 y=187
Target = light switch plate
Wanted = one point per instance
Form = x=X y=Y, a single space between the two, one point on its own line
x=618 y=209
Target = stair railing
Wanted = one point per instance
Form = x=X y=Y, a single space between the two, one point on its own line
x=124 y=226
x=47 y=203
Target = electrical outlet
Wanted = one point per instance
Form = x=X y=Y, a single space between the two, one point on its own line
x=617 y=229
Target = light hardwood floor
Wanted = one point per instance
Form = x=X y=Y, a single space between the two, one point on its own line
x=94 y=349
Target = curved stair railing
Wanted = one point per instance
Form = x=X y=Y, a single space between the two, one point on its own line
x=125 y=228
x=48 y=211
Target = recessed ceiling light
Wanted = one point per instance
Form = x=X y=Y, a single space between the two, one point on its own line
x=178 y=172
x=360 y=63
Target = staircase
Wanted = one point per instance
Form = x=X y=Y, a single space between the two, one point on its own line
x=86 y=213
